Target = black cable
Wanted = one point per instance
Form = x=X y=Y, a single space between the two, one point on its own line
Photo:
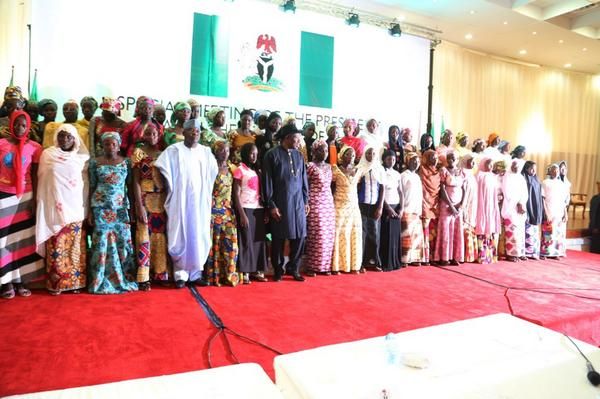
x=541 y=290
x=222 y=329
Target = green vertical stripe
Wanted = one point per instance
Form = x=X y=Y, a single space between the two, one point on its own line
x=316 y=70
x=210 y=54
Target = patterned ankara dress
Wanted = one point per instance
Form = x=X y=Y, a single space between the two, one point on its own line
x=112 y=267
x=151 y=239
x=347 y=247
x=222 y=259
x=320 y=219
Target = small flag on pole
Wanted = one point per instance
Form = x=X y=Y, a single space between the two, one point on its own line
x=33 y=94
x=12 y=76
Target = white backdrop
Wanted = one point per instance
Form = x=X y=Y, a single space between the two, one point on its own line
x=143 y=47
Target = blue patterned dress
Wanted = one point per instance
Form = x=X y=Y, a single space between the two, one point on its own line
x=112 y=267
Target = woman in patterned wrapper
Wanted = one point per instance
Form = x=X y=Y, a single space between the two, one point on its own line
x=151 y=218
x=61 y=211
x=321 y=218
x=112 y=266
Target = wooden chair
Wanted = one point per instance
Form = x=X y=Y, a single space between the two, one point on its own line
x=578 y=199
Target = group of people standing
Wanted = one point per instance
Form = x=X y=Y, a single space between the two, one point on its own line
x=112 y=206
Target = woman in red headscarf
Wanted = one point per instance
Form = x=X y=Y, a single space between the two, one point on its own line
x=350 y=139
x=19 y=158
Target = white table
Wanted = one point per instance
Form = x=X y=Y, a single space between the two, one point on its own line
x=242 y=381
x=497 y=356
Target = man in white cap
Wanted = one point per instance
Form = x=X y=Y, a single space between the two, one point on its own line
x=189 y=170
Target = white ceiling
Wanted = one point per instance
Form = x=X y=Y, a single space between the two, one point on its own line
x=563 y=28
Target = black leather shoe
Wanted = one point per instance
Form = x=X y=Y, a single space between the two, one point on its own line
x=298 y=277
x=201 y=283
x=277 y=277
x=179 y=284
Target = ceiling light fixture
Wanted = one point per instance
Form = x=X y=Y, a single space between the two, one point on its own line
x=523 y=52
x=289 y=6
x=561 y=41
x=472 y=12
x=568 y=65
x=395 y=30
x=534 y=33
x=584 y=49
x=468 y=36
x=505 y=22
x=353 y=20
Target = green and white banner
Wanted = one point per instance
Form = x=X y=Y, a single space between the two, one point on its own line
x=242 y=54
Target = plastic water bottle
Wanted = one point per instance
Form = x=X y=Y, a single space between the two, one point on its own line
x=391 y=349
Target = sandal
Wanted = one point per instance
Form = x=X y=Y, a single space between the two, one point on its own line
x=8 y=292
x=54 y=293
x=23 y=291
x=145 y=286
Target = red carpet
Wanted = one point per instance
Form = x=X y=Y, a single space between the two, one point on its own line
x=73 y=340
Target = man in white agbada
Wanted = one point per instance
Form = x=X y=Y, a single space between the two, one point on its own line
x=189 y=170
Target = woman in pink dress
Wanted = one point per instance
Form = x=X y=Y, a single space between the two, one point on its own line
x=321 y=218
x=450 y=245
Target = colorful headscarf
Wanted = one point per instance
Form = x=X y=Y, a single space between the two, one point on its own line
x=329 y=127
x=352 y=123
x=193 y=103
x=342 y=152
x=111 y=105
x=518 y=150
x=13 y=93
x=410 y=155
x=17 y=159
x=502 y=145
x=476 y=142
x=214 y=111
x=89 y=99
x=179 y=106
x=460 y=136
x=319 y=143
x=72 y=101
x=111 y=135
x=493 y=136
x=45 y=102
x=258 y=114
x=499 y=167
x=144 y=99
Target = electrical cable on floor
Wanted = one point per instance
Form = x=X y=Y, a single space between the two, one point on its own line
x=223 y=330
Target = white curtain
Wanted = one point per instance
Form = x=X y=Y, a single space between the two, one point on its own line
x=554 y=113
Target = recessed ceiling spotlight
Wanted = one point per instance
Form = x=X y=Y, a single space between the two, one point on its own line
x=468 y=36
x=561 y=41
x=289 y=6
x=534 y=33
x=505 y=22
x=353 y=20
x=472 y=12
x=401 y=18
x=523 y=52
x=584 y=49
x=395 y=30
x=568 y=65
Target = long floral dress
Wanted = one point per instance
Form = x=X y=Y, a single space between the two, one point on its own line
x=320 y=219
x=151 y=239
x=347 y=247
x=112 y=267
x=222 y=259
